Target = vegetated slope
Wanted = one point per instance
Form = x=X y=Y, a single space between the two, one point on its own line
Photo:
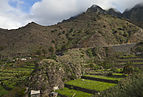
x=129 y=87
x=71 y=65
x=114 y=12
x=138 y=49
x=93 y=28
x=135 y=15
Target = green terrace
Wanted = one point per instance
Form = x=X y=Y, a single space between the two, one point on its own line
x=119 y=74
x=130 y=57
x=2 y=91
x=90 y=84
x=88 y=87
x=132 y=60
x=70 y=92
x=11 y=76
x=104 y=77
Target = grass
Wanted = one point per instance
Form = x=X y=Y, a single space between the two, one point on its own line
x=131 y=86
x=5 y=78
x=127 y=60
x=71 y=92
x=120 y=74
x=89 y=84
x=2 y=91
x=104 y=77
x=11 y=76
x=133 y=63
x=137 y=63
x=130 y=56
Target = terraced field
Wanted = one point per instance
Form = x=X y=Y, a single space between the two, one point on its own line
x=103 y=77
x=70 y=92
x=132 y=60
x=11 y=76
x=87 y=87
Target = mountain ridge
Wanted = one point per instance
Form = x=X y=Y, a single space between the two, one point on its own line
x=135 y=15
x=93 y=28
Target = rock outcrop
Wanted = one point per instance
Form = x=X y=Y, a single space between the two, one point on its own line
x=49 y=74
x=135 y=15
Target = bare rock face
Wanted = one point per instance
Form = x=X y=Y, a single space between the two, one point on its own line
x=48 y=75
x=96 y=9
x=114 y=12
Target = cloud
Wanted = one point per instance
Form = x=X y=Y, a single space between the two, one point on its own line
x=10 y=17
x=48 y=12
x=53 y=11
x=122 y=5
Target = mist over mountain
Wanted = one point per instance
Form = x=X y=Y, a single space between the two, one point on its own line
x=135 y=15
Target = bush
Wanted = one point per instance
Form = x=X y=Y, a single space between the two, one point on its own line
x=110 y=74
x=128 y=69
x=89 y=53
x=96 y=67
x=131 y=86
x=16 y=92
x=117 y=70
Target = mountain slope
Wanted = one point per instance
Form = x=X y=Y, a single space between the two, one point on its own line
x=90 y=29
x=135 y=15
x=114 y=12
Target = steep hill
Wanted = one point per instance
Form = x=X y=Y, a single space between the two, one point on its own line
x=93 y=28
x=114 y=12
x=135 y=15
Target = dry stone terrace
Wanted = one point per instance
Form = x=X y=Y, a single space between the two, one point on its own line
x=124 y=48
x=88 y=86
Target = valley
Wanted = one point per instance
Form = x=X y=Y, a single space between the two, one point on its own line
x=98 y=53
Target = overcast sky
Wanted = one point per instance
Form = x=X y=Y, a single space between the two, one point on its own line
x=17 y=13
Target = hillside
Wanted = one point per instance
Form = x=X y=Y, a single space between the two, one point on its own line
x=90 y=29
x=135 y=15
x=84 y=55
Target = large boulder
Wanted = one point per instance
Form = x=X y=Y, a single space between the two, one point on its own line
x=46 y=77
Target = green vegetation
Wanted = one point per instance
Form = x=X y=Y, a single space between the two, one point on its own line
x=120 y=74
x=131 y=86
x=92 y=52
x=128 y=69
x=104 y=77
x=3 y=91
x=13 y=75
x=71 y=92
x=87 y=33
x=16 y=92
x=89 y=84
x=139 y=49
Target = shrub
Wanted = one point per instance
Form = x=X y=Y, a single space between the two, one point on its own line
x=131 y=86
x=51 y=49
x=128 y=69
x=96 y=67
x=117 y=70
x=89 y=53
x=92 y=52
x=110 y=74
x=16 y=92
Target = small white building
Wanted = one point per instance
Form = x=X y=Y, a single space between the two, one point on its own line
x=23 y=59
x=138 y=53
x=35 y=93
x=55 y=88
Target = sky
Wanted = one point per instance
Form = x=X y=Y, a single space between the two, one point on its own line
x=18 y=13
